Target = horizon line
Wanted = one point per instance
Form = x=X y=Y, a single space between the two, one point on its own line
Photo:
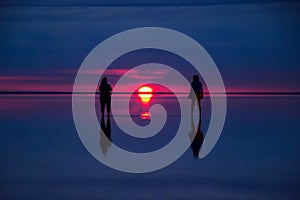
x=97 y=92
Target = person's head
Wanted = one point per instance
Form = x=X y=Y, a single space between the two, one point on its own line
x=195 y=77
x=104 y=81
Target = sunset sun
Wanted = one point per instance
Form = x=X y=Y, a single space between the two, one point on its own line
x=145 y=93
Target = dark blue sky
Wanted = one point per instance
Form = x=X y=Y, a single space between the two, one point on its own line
x=255 y=44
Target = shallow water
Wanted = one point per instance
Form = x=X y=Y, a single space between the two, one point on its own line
x=256 y=157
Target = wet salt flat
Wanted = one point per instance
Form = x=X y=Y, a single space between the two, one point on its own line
x=256 y=157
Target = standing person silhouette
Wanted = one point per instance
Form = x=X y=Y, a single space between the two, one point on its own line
x=196 y=93
x=105 y=98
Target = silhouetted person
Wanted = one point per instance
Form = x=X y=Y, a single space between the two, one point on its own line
x=105 y=134
x=105 y=98
x=196 y=138
x=196 y=93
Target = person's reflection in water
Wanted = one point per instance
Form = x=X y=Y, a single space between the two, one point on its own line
x=105 y=135
x=196 y=137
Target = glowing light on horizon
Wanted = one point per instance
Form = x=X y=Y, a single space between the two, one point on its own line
x=145 y=93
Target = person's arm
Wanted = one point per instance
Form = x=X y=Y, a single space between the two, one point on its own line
x=191 y=93
x=110 y=89
x=201 y=91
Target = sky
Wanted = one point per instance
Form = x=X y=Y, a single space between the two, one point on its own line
x=255 y=44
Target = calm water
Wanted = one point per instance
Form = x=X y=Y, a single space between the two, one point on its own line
x=256 y=157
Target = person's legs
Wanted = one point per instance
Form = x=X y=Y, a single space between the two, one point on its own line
x=102 y=104
x=192 y=106
x=108 y=105
x=199 y=106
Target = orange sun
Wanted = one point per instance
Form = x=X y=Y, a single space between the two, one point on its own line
x=145 y=93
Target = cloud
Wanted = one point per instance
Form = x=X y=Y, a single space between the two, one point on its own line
x=4 y=79
x=96 y=72
x=34 y=83
x=60 y=84
x=141 y=75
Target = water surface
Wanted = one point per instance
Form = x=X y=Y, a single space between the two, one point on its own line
x=256 y=157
